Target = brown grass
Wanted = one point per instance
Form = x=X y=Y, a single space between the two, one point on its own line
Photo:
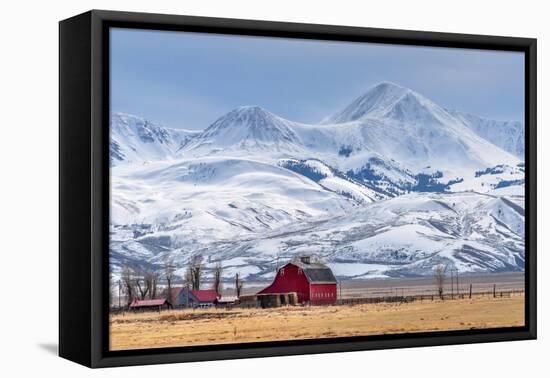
x=220 y=326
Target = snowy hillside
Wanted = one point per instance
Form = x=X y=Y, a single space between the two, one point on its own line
x=402 y=236
x=389 y=186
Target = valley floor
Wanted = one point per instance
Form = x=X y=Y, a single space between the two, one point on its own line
x=223 y=326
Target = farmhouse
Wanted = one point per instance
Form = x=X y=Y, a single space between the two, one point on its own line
x=150 y=305
x=182 y=297
x=311 y=282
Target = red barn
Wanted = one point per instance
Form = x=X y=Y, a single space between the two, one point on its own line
x=312 y=282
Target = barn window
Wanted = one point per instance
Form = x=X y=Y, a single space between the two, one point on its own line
x=299 y=270
x=282 y=271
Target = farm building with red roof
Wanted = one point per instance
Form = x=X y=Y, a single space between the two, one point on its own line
x=181 y=297
x=150 y=304
x=313 y=282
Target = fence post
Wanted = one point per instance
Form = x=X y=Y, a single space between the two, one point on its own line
x=470 y=291
x=457 y=288
x=494 y=290
x=452 y=285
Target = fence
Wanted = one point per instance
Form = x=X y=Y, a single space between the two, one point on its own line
x=430 y=297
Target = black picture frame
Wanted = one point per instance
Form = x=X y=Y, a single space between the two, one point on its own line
x=84 y=189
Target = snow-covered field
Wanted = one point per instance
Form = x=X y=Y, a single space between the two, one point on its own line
x=390 y=186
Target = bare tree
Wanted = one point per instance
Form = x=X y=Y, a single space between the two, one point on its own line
x=127 y=278
x=110 y=288
x=439 y=278
x=197 y=275
x=194 y=273
x=141 y=283
x=238 y=285
x=218 y=270
x=169 y=274
x=189 y=277
x=151 y=282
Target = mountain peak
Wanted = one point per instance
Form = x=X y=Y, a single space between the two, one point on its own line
x=250 y=113
x=251 y=109
x=387 y=85
x=380 y=101
x=249 y=116
x=251 y=125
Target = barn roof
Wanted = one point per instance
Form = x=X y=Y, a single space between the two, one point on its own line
x=316 y=273
x=176 y=292
x=148 y=302
x=205 y=295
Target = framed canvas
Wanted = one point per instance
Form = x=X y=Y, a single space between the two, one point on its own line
x=235 y=188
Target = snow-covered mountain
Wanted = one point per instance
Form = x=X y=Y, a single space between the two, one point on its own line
x=249 y=129
x=508 y=135
x=422 y=133
x=386 y=100
x=427 y=142
x=388 y=186
x=137 y=140
x=391 y=101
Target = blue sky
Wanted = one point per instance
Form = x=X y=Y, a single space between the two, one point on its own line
x=188 y=80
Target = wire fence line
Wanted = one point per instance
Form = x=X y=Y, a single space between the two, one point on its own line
x=431 y=296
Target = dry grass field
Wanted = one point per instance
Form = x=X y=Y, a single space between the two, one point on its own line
x=221 y=326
